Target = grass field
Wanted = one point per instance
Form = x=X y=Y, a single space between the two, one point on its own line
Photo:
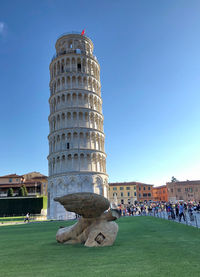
x=145 y=246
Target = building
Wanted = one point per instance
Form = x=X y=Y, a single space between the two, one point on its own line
x=122 y=193
x=128 y=192
x=39 y=181
x=144 y=192
x=160 y=193
x=35 y=186
x=77 y=159
x=13 y=181
x=184 y=190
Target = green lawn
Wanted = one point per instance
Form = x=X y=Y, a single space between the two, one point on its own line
x=145 y=246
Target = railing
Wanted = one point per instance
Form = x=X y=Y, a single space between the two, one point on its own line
x=190 y=219
x=71 y=33
x=3 y=194
x=73 y=51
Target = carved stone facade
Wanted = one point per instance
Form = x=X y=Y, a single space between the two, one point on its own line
x=77 y=160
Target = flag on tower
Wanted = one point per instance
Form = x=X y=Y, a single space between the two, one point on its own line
x=83 y=32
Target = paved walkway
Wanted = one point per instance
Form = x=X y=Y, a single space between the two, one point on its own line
x=194 y=223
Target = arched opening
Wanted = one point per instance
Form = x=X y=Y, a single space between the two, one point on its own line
x=76 y=167
x=82 y=162
x=58 y=164
x=58 y=67
x=73 y=81
x=63 y=98
x=78 y=64
x=68 y=98
x=80 y=116
x=84 y=66
x=58 y=84
x=68 y=119
x=75 y=140
x=69 y=162
x=67 y=65
x=74 y=116
x=80 y=98
x=63 y=163
x=79 y=82
x=73 y=65
x=63 y=82
x=70 y=44
x=81 y=140
x=85 y=83
x=74 y=99
x=68 y=82
x=62 y=66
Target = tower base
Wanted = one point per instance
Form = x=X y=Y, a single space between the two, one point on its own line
x=66 y=184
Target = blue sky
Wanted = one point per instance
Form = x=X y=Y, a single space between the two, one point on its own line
x=148 y=51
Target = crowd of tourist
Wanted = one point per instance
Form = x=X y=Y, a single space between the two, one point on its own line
x=174 y=211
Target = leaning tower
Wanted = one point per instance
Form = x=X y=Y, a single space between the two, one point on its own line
x=77 y=159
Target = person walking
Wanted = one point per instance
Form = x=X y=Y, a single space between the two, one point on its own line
x=27 y=218
x=177 y=210
x=190 y=211
x=172 y=212
x=181 y=212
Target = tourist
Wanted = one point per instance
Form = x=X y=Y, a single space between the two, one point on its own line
x=181 y=212
x=132 y=210
x=198 y=207
x=177 y=210
x=27 y=218
x=172 y=212
x=154 y=211
x=190 y=211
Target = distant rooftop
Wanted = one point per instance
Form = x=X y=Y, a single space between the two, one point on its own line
x=185 y=182
x=36 y=175
x=11 y=176
x=128 y=183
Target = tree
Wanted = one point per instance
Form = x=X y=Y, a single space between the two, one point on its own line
x=25 y=190
x=10 y=192
x=21 y=191
x=173 y=180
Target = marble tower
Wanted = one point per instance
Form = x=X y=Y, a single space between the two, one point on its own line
x=77 y=159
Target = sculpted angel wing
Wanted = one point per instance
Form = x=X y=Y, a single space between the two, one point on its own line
x=86 y=204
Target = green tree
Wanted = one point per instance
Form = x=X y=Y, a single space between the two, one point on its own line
x=25 y=190
x=10 y=192
x=173 y=180
x=21 y=191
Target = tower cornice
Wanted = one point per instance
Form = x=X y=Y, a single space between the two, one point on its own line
x=73 y=90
